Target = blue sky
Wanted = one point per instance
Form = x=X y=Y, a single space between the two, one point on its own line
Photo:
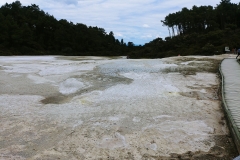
x=137 y=21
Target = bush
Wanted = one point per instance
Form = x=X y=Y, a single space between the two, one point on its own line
x=208 y=49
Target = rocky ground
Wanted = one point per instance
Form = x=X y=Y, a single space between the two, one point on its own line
x=112 y=108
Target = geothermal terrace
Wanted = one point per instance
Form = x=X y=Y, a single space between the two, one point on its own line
x=54 y=107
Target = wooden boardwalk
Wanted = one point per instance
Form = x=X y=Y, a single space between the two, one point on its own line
x=230 y=70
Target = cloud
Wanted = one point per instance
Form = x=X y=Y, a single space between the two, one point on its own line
x=68 y=2
x=146 y=26
x=128 y=19
x=118 y=35
x=147 y=36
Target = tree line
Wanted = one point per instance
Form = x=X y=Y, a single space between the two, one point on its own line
x=204 y=18
x=27 y=30
x=203 y=30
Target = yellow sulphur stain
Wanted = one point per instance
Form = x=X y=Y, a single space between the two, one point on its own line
x=84 y=101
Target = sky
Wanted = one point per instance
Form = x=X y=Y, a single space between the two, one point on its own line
x=137 y=21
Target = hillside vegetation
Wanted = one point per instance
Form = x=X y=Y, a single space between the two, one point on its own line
x=29 y=30
x=203 y=30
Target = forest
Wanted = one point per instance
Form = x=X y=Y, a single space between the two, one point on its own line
x=203 y=30
x=27 y=30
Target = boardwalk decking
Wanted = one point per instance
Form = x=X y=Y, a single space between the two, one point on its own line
x=230 y=70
